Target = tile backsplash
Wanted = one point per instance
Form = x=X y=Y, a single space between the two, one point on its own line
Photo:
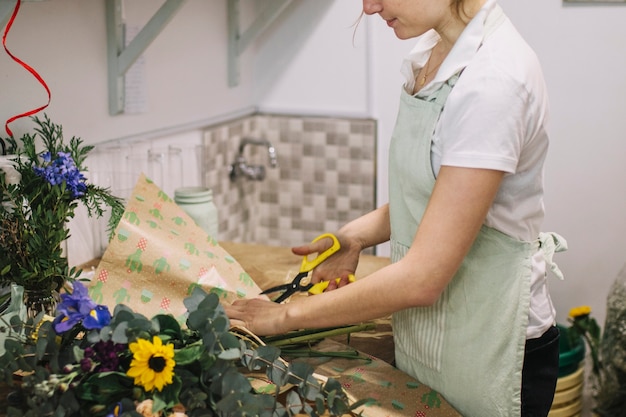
x=325 y=177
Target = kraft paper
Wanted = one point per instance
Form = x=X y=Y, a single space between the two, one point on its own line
x=158 y=255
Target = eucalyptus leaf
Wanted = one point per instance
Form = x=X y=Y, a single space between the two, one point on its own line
x=209 y=303
x=209 y=340
x=193 y=301
x=294 y=402
x=122 y=313
x=233 y=382
x=229 y=341
x=119 y=334
x=221 y=324
x=198 y=319
x=278 y=373
x=299 y=372
x=311 y=388
x=230 y=354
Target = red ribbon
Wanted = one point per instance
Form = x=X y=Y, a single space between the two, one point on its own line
x=27 y=67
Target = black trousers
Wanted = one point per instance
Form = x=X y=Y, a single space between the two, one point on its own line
x=539 y=374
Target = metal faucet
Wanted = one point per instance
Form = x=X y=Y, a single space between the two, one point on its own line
x=240 y=168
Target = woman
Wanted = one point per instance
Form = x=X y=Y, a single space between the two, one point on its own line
x=472 y=316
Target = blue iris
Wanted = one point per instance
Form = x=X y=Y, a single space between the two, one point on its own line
x=116 y=412
x=78 y=307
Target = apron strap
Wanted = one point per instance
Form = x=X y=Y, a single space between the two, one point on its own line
x=550 y=243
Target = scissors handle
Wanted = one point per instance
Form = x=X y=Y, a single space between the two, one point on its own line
x=310 y=264
x=322 y=285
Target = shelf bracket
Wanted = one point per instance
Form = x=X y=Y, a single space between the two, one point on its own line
x=238 y=41
x=120 y=57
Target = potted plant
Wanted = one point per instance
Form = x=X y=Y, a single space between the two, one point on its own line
x=39 y=192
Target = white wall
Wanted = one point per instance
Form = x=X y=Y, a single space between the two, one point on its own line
x=309 y=64
x=65 y=41
x=583 y=52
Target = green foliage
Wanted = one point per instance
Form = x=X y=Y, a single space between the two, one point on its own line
x=211 y=375
x=34 y=209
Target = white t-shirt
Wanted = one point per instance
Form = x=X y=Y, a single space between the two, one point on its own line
x=495 y=118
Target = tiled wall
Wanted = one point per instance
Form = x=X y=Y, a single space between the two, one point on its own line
x=325 y=177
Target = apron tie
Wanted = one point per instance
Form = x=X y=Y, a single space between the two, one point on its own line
x=550 y=243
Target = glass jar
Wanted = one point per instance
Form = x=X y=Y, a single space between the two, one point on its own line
x=197 y=202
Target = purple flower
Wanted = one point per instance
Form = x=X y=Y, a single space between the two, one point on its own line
x=78 y=307
x=62 y=170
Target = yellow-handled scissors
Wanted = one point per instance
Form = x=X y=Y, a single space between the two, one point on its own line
x=307 y=266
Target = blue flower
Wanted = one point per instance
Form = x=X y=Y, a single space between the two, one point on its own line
x=98 y=317
x=61 y=170
x=117 y=410
x=78 y=307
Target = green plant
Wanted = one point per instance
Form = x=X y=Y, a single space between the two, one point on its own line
x=38 y=196
x=585 y=326
x=89 y=363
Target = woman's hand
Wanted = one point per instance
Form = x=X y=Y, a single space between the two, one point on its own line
x=261 y=317
x=340 y=265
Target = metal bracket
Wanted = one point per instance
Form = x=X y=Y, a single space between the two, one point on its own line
x=238 y=41
x=121 y=58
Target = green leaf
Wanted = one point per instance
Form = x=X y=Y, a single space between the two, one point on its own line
x=310 y=388
x=168 y=397
x=230 y=354
x=119 y=334
x=221 y=324
x=299 y=372
x=210 y=303
x=169 y=326
x=105 y=388
x=198 y=319
x=229 y=341
x=188 y=354
x=193 y=301
x=233 y=382
x=294 y=402
x=278 y=373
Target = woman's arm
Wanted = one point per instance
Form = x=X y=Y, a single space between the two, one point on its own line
x=457 y=209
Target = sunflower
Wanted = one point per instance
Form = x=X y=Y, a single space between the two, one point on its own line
x=153 y=363
x=580 y=312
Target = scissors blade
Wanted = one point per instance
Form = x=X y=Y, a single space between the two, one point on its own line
x=291 y=288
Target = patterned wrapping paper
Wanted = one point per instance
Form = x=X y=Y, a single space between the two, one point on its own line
x=158 y=255
x=393 y=393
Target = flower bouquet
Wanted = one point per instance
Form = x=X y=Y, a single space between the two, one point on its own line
x=87 y=362
x=39 y=192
